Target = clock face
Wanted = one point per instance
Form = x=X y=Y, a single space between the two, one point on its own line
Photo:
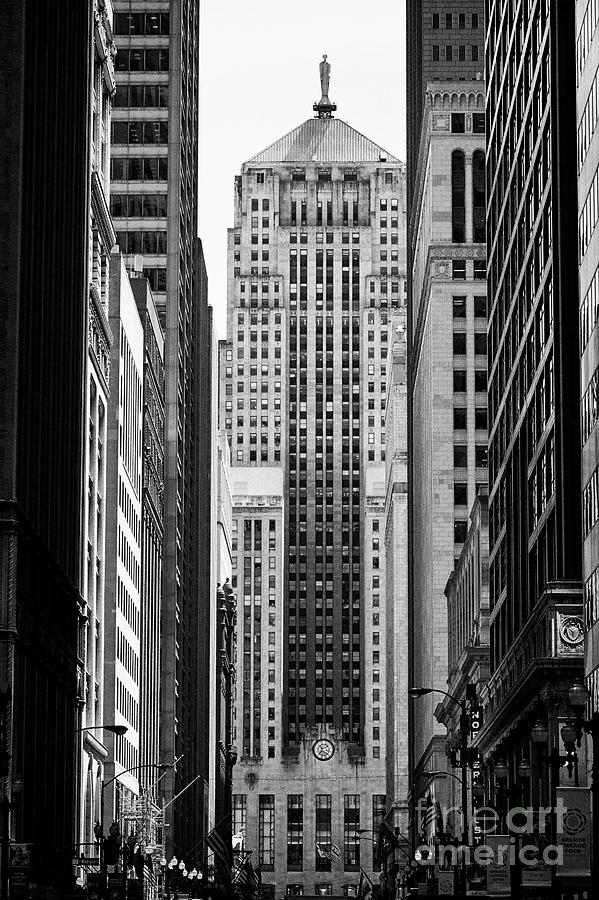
x=323 y=749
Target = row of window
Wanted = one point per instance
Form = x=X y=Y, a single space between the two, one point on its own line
x=460 y=493
x=145 y=168
x=140 y=132
x=323 y=818
x=460 y=456
x=460 y=56
x=144 y=242
x=141 y=95
x=154 y=23
x=460 y=418
x=138 y=205
x=460 y=343
x=458 y=197
x=479 y=307
x=142 y=59
x=455 y=20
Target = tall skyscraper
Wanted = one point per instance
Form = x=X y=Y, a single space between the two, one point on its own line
x=446 y=331
x=315 y=269
x=44 y=293
x=587 y=80
x=448 y=382
x=535 y=540
x=154 y=204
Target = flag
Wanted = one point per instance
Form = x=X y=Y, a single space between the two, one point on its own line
x=386 y=833
x=221 y=848
x=336 y=851
x=365 y=886
x=428 y=819
x=322 y=851
x=149 y=877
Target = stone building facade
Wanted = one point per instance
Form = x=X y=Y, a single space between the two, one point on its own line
x=448 y=381
x=316 y=267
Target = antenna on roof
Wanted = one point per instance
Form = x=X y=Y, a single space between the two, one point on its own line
x=325 y=108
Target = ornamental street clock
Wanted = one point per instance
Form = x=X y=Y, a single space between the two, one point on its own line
x=323 y=749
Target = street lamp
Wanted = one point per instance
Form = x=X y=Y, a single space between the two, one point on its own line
x=464 y=729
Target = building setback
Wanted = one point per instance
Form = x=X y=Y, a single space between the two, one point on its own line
x=448 y=382
x=535 y=540
x=316 y=264
x=43 y=308
x=154 y=205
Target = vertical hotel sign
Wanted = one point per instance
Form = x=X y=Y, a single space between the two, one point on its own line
x=574 y=831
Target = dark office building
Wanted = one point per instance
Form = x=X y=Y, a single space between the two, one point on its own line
x=154 y=206
x=535 y=539
x=43 y=312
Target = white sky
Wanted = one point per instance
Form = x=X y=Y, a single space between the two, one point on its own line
x=259 y=78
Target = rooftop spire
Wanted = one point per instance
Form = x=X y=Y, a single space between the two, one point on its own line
x=325 y=108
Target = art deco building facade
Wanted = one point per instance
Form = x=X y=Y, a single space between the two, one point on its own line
x=154 y=205
x=92 y=749
x=587 y=104
x=535 y=540
x=315 y=268
x=448 y=381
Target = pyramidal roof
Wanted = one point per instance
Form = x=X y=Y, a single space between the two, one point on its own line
x=323 y=140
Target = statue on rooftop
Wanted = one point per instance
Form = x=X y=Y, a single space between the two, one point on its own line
x=325 y=75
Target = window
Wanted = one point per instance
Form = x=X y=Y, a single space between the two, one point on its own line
x=480 y=307
x=480 y=268
x=480 y=343
x=480 y=417
x=462 y=52
x=239 y=812
x=323 y=832
x=475 y=20
x=458 y=269
x=461 y=20
x=459 y=307
x=481 y=456
x=436 y=53
x=351 y=837
x=449 y=20
x=478 y=197
x=460 y=456
x=379 y=807
x=448 y=54
x=459 y=343
x=259 y=177
x=458 y=197
x=459 y=381
x=460 y=530
x=266 y=831
x=458 y=123
x=435 y=20
x=480 y=379
x=295 y=832
x=478 y=123
x=460 y=493
x=460 y=418
x=474 y=52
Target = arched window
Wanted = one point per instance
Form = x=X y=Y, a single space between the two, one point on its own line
x=478 y=197
x=458 y=197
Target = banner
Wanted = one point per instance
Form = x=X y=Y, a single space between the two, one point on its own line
x=499 y=875
x=446 y=881
x=574 y=831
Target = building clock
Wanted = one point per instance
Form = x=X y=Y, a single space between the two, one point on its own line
x=323 y=749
